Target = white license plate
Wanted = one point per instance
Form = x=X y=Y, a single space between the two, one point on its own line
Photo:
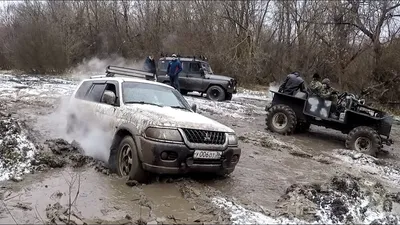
x=200 y=154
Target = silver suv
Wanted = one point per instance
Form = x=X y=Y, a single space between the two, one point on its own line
x=153 y=127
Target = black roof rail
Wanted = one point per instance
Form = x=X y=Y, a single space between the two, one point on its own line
x=200 y=57
x=111 y=71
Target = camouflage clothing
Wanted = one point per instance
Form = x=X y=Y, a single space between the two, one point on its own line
x=316 y=87
x=328 y=93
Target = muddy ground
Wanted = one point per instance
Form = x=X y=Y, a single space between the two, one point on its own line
x=46 y=178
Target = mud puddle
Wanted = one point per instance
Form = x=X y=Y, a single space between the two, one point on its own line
x=98 y=198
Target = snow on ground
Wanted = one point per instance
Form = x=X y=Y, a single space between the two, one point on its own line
x=368 y=164
x=16 y=150
x=240 y=215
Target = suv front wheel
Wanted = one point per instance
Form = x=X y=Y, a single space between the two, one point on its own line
x=281 y=119
x=127 y=161
x=216 y=93
x=364 y=139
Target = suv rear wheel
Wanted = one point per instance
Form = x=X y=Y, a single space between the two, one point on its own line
x=364 y=139
x=127 y=162
x=216 y=93
x=281 y=119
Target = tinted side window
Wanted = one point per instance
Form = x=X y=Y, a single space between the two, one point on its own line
x=96 y=92
x=83 y=89
x=195 y=67
x=185 y=66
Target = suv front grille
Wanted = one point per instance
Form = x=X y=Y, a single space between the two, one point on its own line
x=204 y=136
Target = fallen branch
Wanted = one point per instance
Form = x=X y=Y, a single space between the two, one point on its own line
x=5 y=206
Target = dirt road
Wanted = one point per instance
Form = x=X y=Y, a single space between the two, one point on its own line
x=298 y=178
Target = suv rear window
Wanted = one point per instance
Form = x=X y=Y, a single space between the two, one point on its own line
x=163 y=65
x=96 y=92
x=83 y=90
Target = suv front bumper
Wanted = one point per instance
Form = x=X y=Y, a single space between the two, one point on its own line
x=183 y=161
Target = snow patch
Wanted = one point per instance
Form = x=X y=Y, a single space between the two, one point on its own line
x=368 y=164
x=240 y=215
x=16 y=150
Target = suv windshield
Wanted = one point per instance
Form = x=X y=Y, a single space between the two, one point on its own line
x=152 y=94
x=207 y=68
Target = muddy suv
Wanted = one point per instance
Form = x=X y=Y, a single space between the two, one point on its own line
x=154 y=128
x=197 y=75
x=367 y=128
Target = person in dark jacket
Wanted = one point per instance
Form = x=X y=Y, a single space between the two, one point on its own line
x=150 y=66
x=173 y=70
x=292 y=84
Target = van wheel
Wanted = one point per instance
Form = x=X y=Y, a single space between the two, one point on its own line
x=281 y=119
x=216 y=93
x=128 y=164
x=364 y=139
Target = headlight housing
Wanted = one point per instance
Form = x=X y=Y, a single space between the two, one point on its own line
x=165 y=134
x=232 y=139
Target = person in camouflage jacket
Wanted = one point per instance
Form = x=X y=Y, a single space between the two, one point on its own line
x=329 y=93
x=315 y=85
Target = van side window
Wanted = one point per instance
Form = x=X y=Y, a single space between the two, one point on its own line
x=96 y=92
x=83 y=89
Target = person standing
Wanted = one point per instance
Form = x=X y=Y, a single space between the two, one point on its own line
x=150 y=66
x=173 y=70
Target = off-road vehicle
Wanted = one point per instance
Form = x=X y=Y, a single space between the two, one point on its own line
x=197 y=75
x=153 y=127
x=367 y=129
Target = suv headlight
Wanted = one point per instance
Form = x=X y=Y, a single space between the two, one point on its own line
x=232 y=139
x=163 y=134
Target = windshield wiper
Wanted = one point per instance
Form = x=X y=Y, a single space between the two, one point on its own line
x=142 y=102
x=179 y=107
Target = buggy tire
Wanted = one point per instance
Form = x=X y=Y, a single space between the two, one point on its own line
x=228 y=96
x=127 y=151
x=289 y=116
x=366 y=134
x=216 y=93
x=302 y=127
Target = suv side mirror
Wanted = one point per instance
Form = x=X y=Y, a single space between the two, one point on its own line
x=109 y=97
x=194 y=107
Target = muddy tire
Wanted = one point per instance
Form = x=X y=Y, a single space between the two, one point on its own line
x=364 y=139
x=228 y=96
x=302 y=127
x=216 y=93
x=281 y=119
x=127 y=162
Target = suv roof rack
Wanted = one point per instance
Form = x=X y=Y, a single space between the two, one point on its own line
x=200 y=57
x=111 y=71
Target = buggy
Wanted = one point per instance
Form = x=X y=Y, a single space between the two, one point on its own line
x=367 y=128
